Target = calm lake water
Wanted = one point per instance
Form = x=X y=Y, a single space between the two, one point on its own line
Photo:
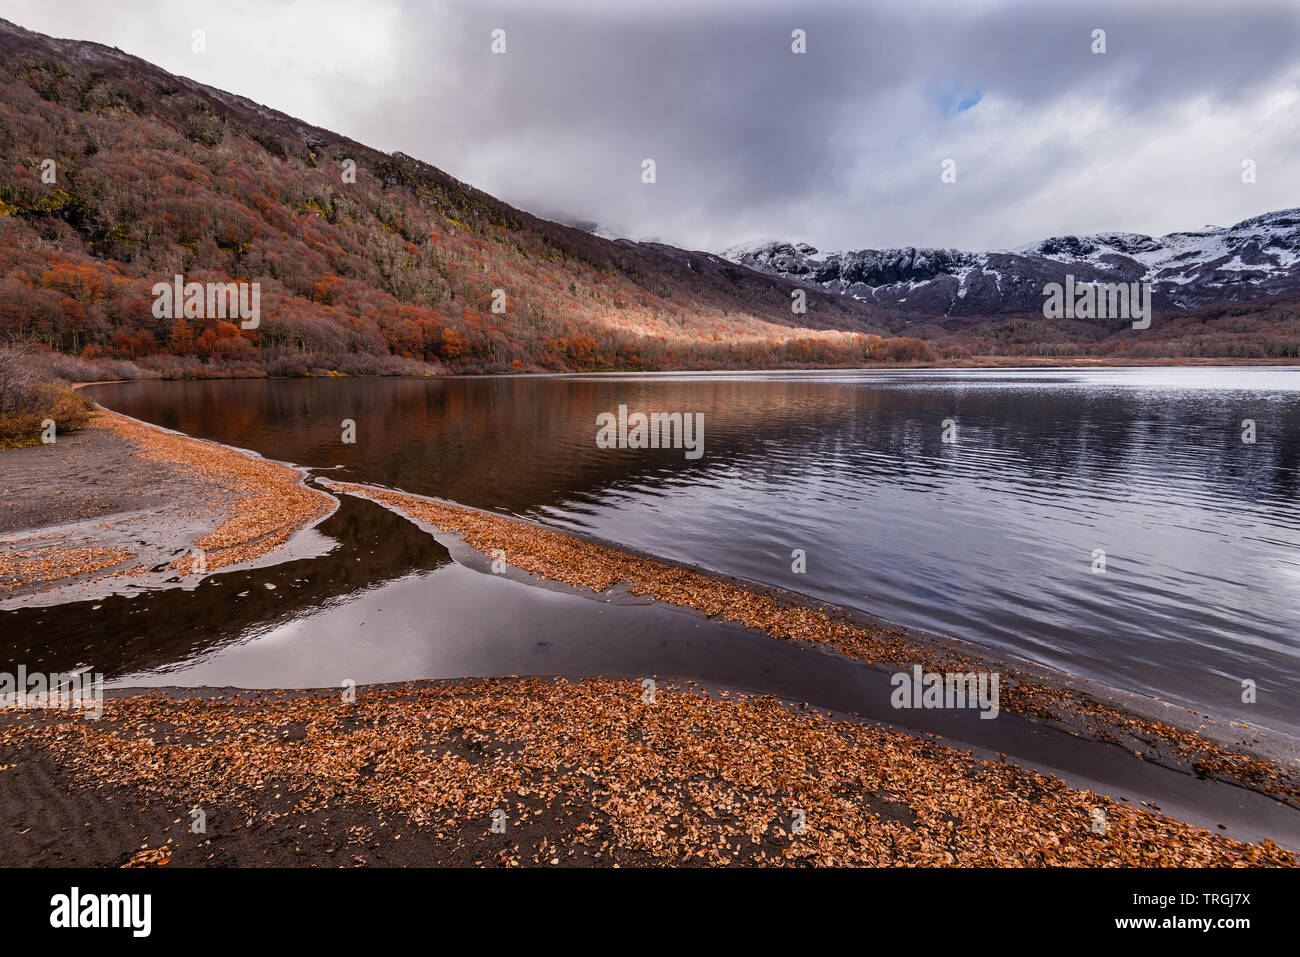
x=993 y=537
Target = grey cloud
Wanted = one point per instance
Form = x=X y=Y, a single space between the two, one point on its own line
x=840 y=146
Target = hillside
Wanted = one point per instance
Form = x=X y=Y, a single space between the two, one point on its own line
x=156 y=175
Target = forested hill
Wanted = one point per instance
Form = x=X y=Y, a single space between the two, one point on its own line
x=155 y=175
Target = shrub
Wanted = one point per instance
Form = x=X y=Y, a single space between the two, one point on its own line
x=906 y=349
x=29 y=396
x=76 y=369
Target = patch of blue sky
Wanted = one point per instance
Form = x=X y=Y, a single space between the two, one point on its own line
x=958 y=99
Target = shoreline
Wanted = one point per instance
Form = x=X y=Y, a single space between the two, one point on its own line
x=224 y=507
x=1154 y=732
x=975 y=363
x=1034 y=693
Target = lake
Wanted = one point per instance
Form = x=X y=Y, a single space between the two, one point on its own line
x=1111 y=522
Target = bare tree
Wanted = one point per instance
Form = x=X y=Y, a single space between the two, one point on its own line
x=20 y=375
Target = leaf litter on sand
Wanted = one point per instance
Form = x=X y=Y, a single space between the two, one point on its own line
x=689 y=779
x=254 y=506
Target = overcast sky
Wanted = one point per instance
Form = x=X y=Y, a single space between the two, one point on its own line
x=841 y=146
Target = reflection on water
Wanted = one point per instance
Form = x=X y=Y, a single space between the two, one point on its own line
x=164 y=630
x=991 y=538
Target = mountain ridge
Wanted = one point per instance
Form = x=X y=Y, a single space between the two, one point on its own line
x=1259 y=256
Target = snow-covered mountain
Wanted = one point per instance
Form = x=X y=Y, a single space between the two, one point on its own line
x=1256 y=257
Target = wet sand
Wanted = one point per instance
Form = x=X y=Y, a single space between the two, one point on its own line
x=122 y=502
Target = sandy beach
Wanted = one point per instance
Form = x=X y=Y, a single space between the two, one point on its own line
x=125 y=502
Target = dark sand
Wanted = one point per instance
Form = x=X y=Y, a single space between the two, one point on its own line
x=85 y=476
x=120 y=504
x=583 y=773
